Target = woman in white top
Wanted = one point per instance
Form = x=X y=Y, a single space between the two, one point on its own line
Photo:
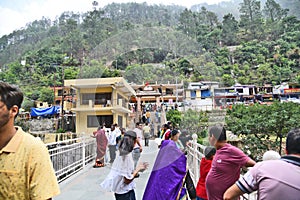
x=120 y=180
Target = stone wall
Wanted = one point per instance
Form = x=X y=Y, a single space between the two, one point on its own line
x=42 y=125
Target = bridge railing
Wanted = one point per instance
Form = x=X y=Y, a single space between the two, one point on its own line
x=71 y=156
x=194 y=156
x=195 y=152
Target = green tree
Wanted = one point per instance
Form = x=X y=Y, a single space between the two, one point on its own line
x=194 y=122
x=135 y=74
x=273 y=11
x=71 y=73
x=227 y=80
x=292 y=5
x=263 y=122
x=184 y=66
x=229 y=30
x=174 y=116
x=27 y=104
x=92 y=70
x=188 y=23
x=251 y=18
x=273 y=24
x=46 y=95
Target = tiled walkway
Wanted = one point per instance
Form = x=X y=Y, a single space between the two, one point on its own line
x=85 y=185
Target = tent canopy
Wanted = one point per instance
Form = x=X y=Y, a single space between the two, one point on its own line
x=44 y=111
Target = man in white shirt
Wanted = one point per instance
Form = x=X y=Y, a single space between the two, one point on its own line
x=137 y=149
x=146 y=133
x=112 y=144
x=117 y=128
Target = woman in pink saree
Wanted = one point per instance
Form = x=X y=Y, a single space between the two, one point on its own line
x=101 y=140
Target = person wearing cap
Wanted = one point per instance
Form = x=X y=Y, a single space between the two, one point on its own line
x=120 y=180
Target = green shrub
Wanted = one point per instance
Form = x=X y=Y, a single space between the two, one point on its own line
x=60 y=130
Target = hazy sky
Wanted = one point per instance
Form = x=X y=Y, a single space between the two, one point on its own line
x=14 y=14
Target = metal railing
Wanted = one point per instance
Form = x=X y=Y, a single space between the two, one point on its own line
x=194 y=156
x=195 y=152
x=93 y=103
x=70 y=156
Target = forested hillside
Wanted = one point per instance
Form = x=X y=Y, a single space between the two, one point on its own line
x=233 y=6
x=155 y=43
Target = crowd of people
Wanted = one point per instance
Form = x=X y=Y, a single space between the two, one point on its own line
x=220 y=169
x=25 y=174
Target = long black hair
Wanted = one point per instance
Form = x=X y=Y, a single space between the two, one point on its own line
x=126 y=145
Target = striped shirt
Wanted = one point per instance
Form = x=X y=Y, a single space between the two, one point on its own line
x=273 y=179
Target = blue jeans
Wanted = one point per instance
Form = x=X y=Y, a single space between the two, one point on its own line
x=199 y=198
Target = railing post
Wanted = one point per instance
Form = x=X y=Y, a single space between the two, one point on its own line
x=195 y=160
x=83 y=152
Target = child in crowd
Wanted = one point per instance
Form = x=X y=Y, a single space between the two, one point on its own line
x=205 y=166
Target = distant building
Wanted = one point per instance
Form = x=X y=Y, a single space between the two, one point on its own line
x=157 y=94
x=248 y=91
x=69 y=96
x=40 y=104
x=200 y=90
x=279 y=89
x=200 y=94
x=293 y=90
x=101 y=101
x=224 y=96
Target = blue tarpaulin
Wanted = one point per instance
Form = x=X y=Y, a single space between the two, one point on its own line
x=205 y=93
x=44 y=111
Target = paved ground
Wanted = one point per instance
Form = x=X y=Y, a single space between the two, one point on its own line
x=85 y=185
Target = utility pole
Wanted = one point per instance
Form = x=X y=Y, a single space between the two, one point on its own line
x=62 y=97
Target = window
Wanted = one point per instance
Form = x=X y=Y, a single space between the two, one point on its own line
x=97 y=120
x=72 y=91
x=193 y=94
x=169 y=91
x=86 y=97
x=59 y=93
x=240 y=91
x=120 y=121
x=122 y=101
x=57 y=102
x=160 y=90
x=98 y=98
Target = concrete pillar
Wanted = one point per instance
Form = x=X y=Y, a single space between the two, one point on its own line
x=78 y=98
x=138 y=104
x=157 y=102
